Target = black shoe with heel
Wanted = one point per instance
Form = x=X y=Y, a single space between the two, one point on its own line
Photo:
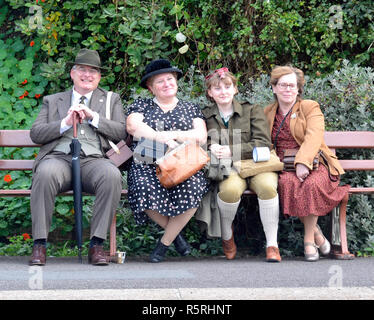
x=181 y=245
x=158 y=253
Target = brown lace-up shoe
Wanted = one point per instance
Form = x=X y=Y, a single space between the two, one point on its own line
x=97 y=256
x=38 y=256
x=272 y=254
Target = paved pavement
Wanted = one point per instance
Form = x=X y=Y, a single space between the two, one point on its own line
x=188 y=278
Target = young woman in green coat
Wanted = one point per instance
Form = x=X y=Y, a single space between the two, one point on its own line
x=234 y=129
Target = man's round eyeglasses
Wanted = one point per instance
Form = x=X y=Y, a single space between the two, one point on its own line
x=284 y=86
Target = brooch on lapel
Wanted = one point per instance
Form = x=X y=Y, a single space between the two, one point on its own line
x=293 y=116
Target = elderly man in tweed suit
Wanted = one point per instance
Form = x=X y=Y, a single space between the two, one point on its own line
x=52 y=169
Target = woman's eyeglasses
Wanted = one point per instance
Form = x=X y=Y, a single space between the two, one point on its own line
x=284 y=86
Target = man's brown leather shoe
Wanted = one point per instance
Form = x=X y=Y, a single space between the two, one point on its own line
x=38 y=256
x=97 y=256
x=229 y=247
x=272 y=254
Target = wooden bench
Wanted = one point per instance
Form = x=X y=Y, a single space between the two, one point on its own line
x=335 y=140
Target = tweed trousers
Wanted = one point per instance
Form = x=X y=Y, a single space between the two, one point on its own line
x=53 y=175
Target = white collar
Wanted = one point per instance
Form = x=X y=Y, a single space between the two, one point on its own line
x=226 y=117
x=76 y=97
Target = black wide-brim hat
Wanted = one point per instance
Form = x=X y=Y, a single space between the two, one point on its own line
x=157 y=67
x=89 y=58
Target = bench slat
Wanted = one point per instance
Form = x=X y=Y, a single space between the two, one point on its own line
x=15 y=193
x=361 y=190
x=16 y=138
x=349 y=139
x=27 y=192
x=355 y=165
x=16 y=164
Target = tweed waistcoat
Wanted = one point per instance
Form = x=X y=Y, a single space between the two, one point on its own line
x=87 y=137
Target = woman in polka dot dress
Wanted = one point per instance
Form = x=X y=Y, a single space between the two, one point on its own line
x=169 y=121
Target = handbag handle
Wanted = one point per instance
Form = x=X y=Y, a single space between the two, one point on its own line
x=107 y=115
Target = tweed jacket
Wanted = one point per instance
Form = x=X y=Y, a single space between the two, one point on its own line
x=46 y=128
x=247 y=129
x=307 y=126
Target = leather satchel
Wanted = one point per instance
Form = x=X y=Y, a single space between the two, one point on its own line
x=289 y=160
x=180 y=163
x=120 y=153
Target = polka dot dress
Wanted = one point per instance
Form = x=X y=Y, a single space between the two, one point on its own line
x=145 y=190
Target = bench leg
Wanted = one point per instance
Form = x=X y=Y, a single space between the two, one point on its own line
x=338 y=234
x=111 y=255
x=113 y=242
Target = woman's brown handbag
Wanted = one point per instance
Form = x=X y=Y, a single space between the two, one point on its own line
x=180 y=164
x=289 y=160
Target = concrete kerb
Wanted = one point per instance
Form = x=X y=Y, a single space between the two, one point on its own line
x=216 y=294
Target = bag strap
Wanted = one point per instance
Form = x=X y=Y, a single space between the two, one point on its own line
x=107 y=110
x=332 y=177
x=280 y=127
x=107 y=115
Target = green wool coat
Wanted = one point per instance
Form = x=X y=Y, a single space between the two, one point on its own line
x=247 y=128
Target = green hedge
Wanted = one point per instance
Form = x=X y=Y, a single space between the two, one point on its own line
x=248 y=37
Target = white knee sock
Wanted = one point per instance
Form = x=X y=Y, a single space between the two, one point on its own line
x=269 y=214
x=227 y=212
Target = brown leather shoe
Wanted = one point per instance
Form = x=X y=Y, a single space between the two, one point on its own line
x=229 y=247
x=97 y=256
x=38 y=256
x=272 y=254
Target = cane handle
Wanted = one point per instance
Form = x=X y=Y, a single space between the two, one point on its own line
x=76 y=118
